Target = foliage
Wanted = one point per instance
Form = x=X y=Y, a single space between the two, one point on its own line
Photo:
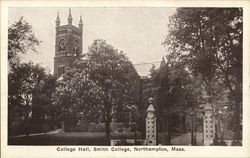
x=174 y=88
x=43 y=110
x=116 y=76
x=209 y=41
x=100 y=85
x=76 y=92
x=23 y=79
x=20 y=39
x=29 y=86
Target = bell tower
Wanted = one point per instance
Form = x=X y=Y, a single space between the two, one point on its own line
x=68 y=44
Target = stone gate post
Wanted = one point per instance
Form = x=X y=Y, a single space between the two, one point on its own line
x=151 y=124
x=208 y=133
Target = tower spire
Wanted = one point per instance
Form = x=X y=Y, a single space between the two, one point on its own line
x=70 y=17
x=57 y=20
x=80 y=23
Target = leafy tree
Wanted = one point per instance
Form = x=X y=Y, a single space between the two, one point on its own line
x=23 y=79
x=210 y=41
x=116 y=76
x=77 y=93
x=173 y=89
x=29 y=85
x=43 y=110
x=21 y=39
x=101 y=85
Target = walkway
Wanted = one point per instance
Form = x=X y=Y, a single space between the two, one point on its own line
x=185 y=139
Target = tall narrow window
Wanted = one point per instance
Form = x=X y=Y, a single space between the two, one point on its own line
x=61 y=70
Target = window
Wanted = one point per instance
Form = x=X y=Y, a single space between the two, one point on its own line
x=61 y=70
x=62 y=44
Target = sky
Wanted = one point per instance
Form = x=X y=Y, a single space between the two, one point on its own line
x=138 y=32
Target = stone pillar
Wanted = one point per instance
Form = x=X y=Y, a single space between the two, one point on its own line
x=208 y=128
x=150 y=124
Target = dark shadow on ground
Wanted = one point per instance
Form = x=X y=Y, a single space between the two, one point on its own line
x=71 y=138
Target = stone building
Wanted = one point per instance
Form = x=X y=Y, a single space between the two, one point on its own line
x=68 y=44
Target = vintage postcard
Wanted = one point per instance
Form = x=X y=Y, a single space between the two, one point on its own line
x=125 y=79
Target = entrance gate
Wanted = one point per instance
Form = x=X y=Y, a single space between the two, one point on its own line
x=166 y=125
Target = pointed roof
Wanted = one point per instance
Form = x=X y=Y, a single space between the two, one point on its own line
x=80 y=22
x=70 y=17
x=208 y=107
x=57 y=17
x=151 y=107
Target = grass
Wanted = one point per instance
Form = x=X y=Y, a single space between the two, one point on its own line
x=69 y=138
x=90 y=138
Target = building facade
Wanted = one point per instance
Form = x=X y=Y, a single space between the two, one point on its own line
x=68 y=44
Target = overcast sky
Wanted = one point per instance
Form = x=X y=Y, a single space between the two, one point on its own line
x=138 y=32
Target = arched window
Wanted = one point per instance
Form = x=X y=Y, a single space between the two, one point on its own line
x=61 y=45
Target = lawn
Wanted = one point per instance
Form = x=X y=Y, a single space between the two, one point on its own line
x=69 y=138
x=89 y=138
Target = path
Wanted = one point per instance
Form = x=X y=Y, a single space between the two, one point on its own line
x=185 y=139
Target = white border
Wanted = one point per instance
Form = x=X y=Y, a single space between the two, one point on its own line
x=199 y=151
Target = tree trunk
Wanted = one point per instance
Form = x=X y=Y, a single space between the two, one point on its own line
x=237 y=113
x=237 y=127
x=237 y=105
x=27 y=127
x=27 y=120
x=107 y=126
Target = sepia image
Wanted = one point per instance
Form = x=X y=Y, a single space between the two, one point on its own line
x=125 y=76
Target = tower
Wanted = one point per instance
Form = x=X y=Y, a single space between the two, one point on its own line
x=151 y=124
x=68 y=44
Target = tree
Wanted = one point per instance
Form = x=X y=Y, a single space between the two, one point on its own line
x=100 y=85
x=76 y=93
x=173 y=89
x=210 y=40
x=116 y=76
x=43 y=110
x=21 y=39
x=23 y=79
